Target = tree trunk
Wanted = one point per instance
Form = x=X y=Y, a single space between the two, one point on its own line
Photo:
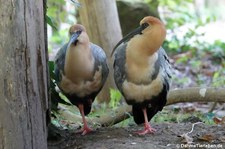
x=100 y=17
x=23 y=75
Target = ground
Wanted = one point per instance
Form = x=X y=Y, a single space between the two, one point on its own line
x=168 y=135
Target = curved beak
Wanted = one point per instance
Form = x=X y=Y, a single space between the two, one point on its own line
x=73 y=38
x=131 y=35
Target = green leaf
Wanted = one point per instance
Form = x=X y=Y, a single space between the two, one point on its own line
x=50 y=22
x=208 y=20
x=51 y=66
x=115 y=97
x=216 y=75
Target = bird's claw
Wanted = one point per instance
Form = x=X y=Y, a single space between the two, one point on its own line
x=148 y=129
x=85 y=131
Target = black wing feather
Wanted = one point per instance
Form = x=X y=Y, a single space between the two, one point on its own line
x=119 y=66
x=100 y=60
x=59 y=62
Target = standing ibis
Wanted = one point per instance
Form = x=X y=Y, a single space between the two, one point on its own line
x=142 y=70
x=81 y=70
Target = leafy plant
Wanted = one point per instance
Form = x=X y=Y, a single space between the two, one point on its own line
x=55 y=96
x=218 y=80
x=115 y=97
x=184 y=26
x=56 y=12
x=50 y=22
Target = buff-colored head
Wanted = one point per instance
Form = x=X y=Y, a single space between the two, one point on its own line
x=153 y=35
x=76 y=27
x=151 y=20
x=154 y=25
x=83 y=38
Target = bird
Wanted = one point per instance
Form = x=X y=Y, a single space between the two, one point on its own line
x=81 y=69
x=142 y=71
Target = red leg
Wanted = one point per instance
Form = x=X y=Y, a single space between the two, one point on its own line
x=147 y=126
x=86 y=129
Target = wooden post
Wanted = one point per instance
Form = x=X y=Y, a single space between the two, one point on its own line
x=23 y=75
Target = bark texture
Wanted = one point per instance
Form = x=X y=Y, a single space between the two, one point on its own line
x=100 y=17
x=23 y=75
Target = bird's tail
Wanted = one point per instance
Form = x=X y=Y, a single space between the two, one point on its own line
x=87 y=107
x=156 y=104
x=139 y=115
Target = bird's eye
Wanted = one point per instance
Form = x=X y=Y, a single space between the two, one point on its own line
x=144 y=25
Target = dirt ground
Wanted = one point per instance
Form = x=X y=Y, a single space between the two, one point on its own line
x=168 y=135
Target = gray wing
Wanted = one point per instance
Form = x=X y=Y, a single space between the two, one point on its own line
x=119 y=66
x=100 y=60
x=59 y=62
x=120 y=61
x=165 y=63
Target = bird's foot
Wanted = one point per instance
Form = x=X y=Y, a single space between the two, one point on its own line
x=148 y=129
x=85 y=131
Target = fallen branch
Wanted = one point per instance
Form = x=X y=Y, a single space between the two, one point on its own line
x=120 y=114
x=175 y=96
x=196 y=94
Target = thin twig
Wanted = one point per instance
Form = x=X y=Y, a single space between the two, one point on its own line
x=193 y=125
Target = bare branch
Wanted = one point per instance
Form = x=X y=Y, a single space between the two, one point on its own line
x=196 y=94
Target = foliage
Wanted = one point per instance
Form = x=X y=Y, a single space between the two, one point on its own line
x=59 y=16
x=50 y=22
x=115 y=97
x=186 y=34
x=217 y=79
x=55 y=12
x=185 y=24
x=178 y=116
x=56 y=98
x=59 y=38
